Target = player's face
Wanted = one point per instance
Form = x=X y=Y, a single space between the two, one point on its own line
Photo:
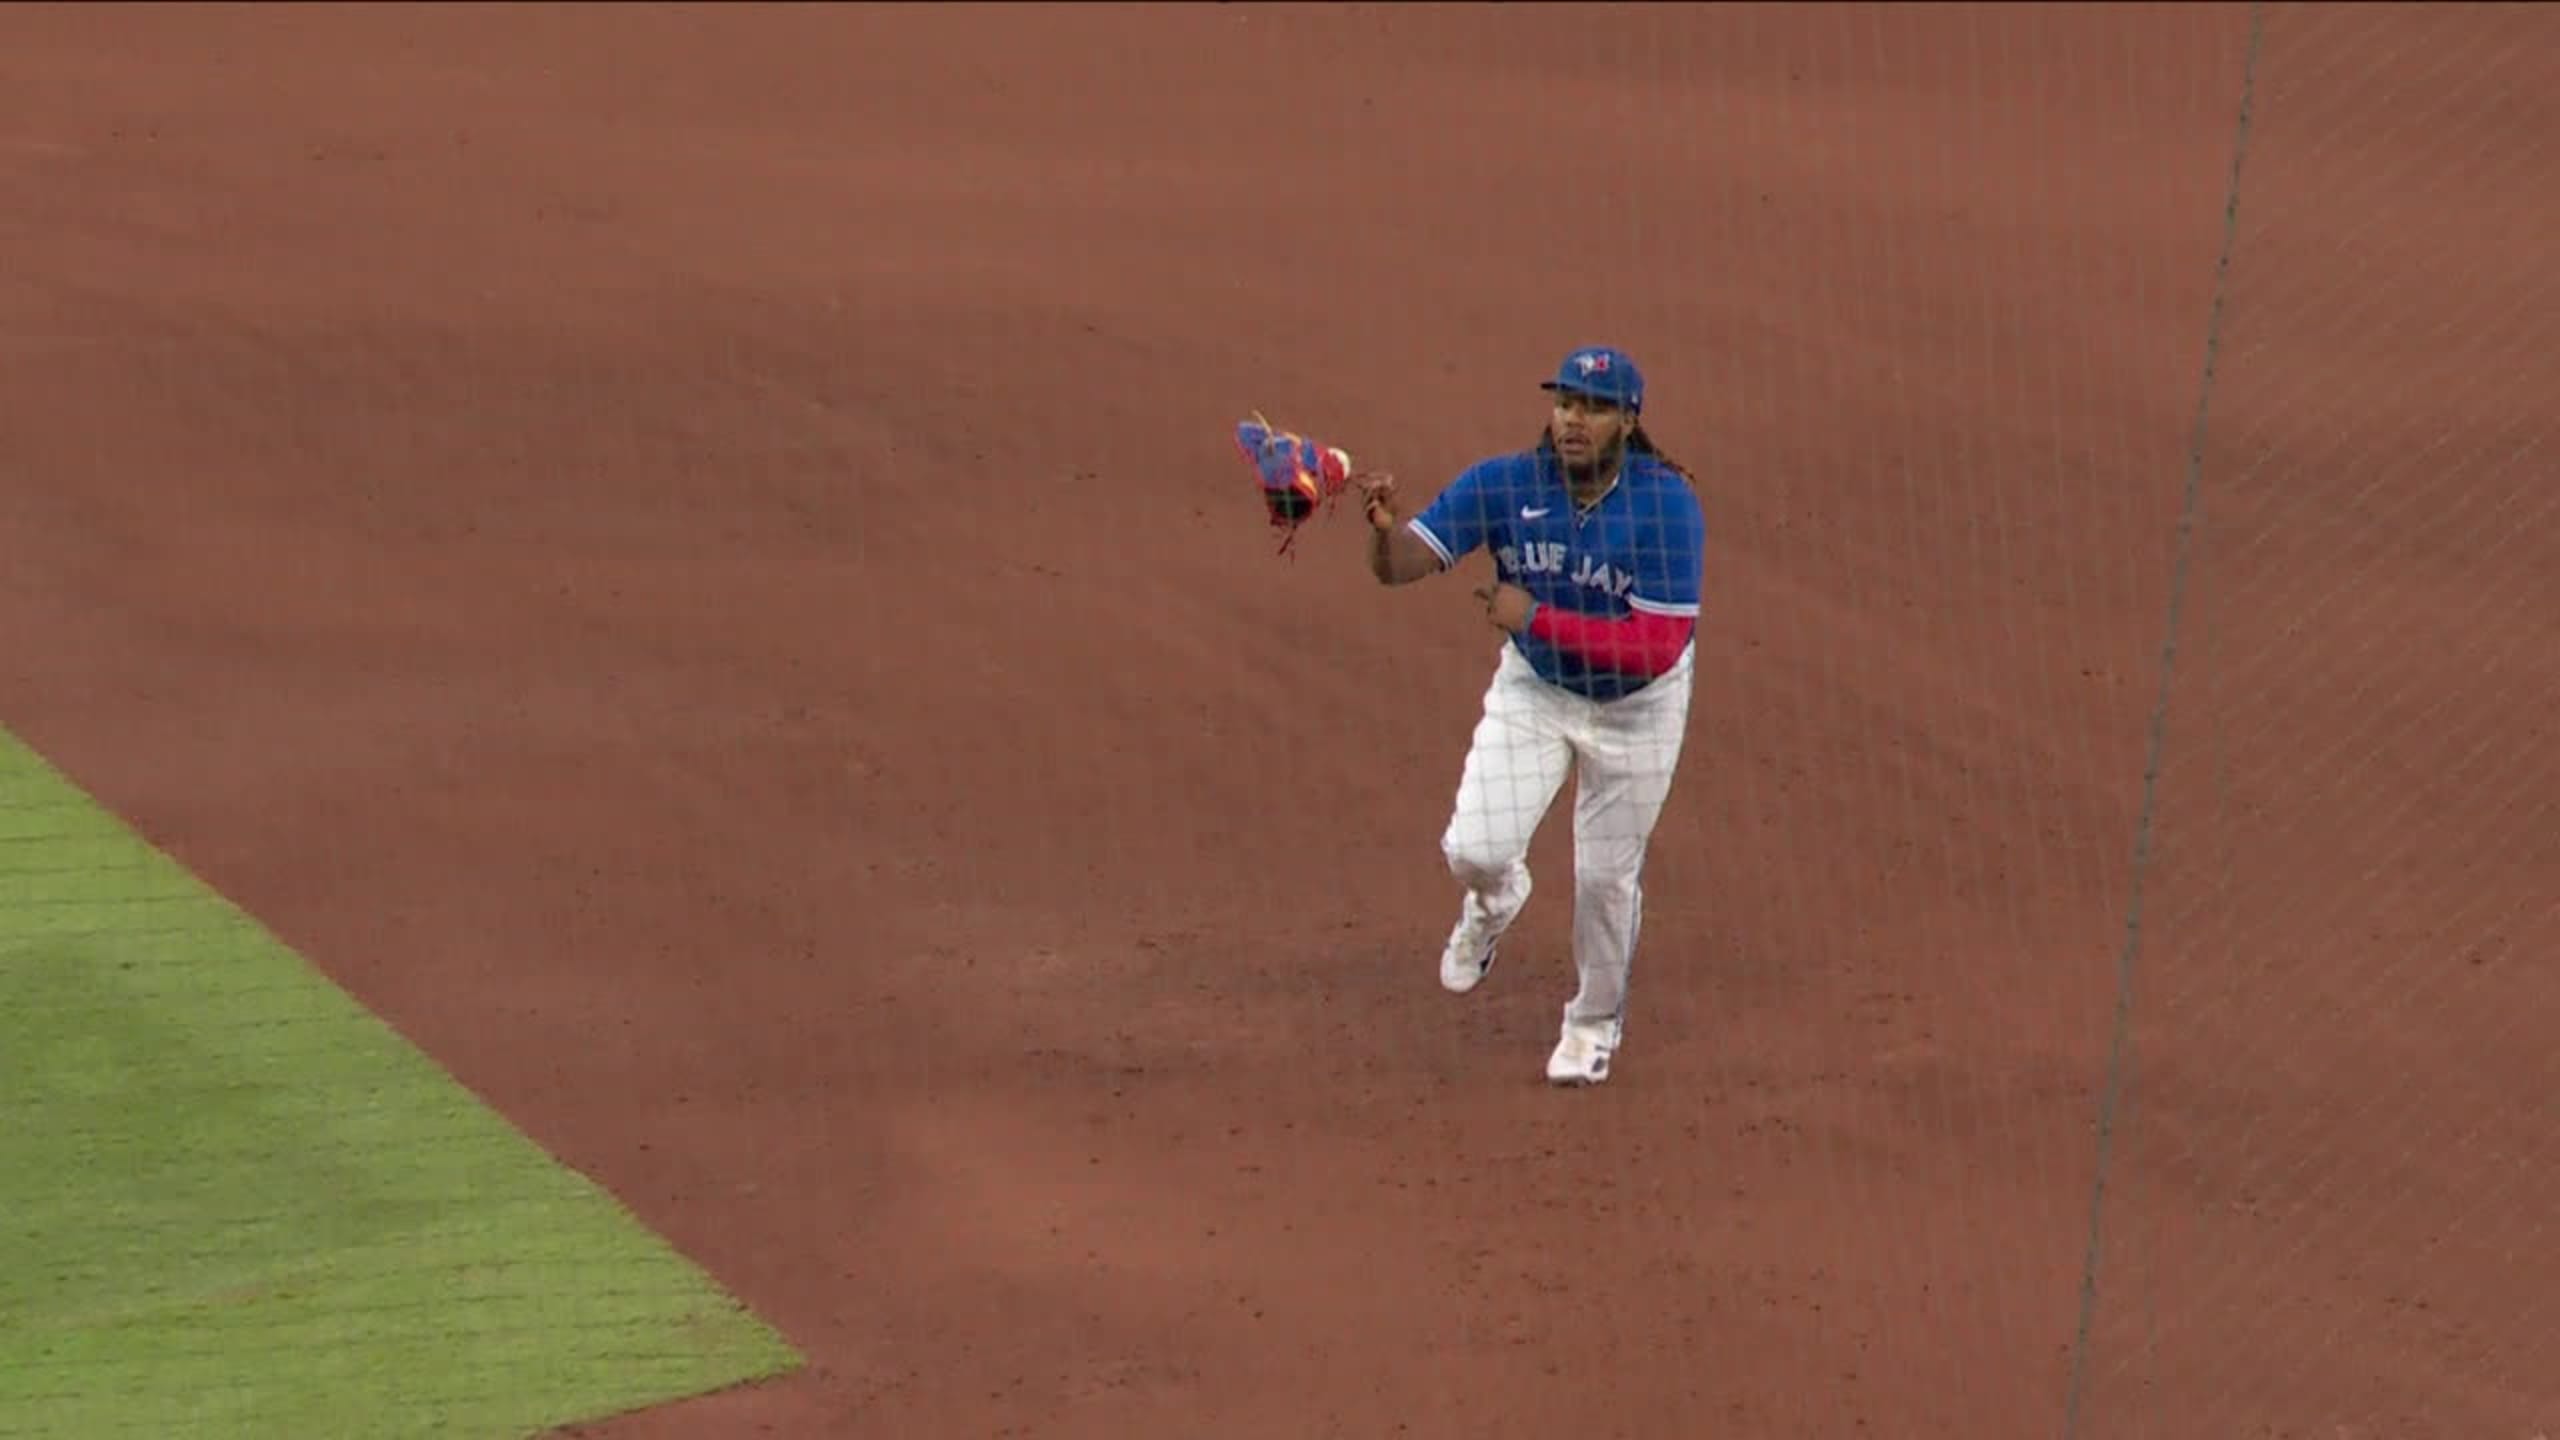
x=1586 y=430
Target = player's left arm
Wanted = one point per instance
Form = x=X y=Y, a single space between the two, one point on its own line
x=1662 y=604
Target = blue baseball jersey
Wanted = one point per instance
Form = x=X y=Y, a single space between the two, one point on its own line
x=1641 y=548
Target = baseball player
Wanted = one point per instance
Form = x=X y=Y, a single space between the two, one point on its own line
x=1597 y=542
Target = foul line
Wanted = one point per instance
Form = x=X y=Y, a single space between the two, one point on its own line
x=2111 y=1090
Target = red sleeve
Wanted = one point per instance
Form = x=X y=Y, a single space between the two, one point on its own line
x=1640 y=644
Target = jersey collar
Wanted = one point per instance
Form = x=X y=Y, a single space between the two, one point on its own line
x=1580 y=510
x=1585 y=509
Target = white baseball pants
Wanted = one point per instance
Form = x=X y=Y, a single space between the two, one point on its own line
x=1624 y=752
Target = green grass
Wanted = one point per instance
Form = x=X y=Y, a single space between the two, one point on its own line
x=234 y=1203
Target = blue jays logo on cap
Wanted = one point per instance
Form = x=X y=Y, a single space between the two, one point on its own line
x=1602 y=372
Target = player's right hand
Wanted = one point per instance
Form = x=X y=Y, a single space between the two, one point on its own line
x=1377 y=498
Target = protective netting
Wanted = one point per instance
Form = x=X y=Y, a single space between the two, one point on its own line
x=2335 y=1114
x=693 y=561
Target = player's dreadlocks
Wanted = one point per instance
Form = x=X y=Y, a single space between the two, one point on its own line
x=1640 y=443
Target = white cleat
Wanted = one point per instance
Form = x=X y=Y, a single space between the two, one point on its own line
x=1582 y=1054
x=1468 y=957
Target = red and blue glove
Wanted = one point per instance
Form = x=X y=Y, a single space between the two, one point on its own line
x=1297 y=475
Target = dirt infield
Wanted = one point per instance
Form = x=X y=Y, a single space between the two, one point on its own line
x=689 y=559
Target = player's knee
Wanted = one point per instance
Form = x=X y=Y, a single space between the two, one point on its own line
x=1605 y=878
x=1479 y=862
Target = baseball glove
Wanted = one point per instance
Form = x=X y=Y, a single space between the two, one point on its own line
x=1297 y=475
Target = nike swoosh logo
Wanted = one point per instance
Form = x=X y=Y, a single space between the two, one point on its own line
x=1528 y=514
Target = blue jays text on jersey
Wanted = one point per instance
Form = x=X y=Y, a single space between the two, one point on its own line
x=1638 y=550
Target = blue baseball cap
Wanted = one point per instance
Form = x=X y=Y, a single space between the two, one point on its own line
x=1602 y=372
